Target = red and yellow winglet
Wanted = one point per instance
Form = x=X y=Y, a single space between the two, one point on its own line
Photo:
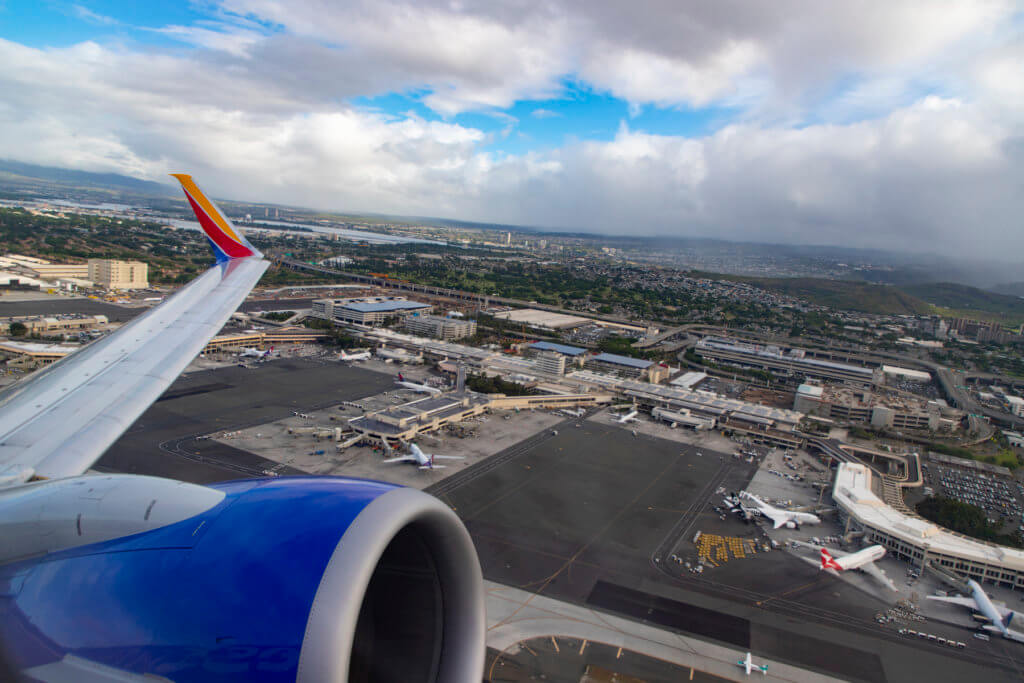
x=226 y=240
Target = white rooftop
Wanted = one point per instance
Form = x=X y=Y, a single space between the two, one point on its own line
x=852 y=492
x=38 y=347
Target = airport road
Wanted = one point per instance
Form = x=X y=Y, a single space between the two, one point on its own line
x=582 y=517
x=62 y=305
x=162 y=442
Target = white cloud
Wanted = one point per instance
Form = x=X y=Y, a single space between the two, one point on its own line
x=266 y=118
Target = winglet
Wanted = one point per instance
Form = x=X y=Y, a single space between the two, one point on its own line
x=226 y=240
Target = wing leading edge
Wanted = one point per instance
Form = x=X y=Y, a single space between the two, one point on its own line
x=60 y=421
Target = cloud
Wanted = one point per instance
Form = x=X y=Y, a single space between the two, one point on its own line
x=263 y=114
x=88 y=15
x=541 y=113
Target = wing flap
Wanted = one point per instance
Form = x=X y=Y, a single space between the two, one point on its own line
x=60 y=421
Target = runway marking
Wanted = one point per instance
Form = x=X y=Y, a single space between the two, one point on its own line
x=555 y=643
x=583 y=647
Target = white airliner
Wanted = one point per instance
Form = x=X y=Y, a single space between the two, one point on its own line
x=256 y=353
x=780 y=518
x=979 y=601
x=353 y=357
x=864 y=560
x=748 y=664
x=628 y=417
x=424 y=460
x=418 y=388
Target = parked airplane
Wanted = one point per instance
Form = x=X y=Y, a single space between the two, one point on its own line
x=628 y=417
x=999 y=615
x=418 y=388
x=256 y=353
x=81 y=554
x=353 y=357
x=424 y=460
x=780 y=518
x=748 y=664
x=864 y=560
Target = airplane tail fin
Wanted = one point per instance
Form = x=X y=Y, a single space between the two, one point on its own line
x=400 y=378
x=227 y=241
x=1008 y=618
x=827 y=561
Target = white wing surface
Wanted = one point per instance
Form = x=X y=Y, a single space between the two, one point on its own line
x=876 y=572
x=58 y=422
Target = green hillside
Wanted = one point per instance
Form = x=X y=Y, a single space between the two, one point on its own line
x=846 y=295
x=963 y=298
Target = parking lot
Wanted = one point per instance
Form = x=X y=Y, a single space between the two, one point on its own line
x=1002 y=499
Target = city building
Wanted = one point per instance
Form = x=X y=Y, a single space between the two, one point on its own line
x=1016 y=404
x=882 y=411
x=556 y=358
x=914 y=539
x=55 y=271
x=543 y=320
x=372 y=311
x=619 y=365
x=55 y=324
x=111 y=274
x=787 y=363
x=262 y=340
x=977 y=330
x=1015 y=439
x=29 y=355
x=550 y=361
x=689 y=380
x=440 y=327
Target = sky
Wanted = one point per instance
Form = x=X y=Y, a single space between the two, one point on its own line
x=877 y=123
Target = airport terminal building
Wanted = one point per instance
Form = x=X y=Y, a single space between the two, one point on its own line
x=917 y=540
x=367 y=310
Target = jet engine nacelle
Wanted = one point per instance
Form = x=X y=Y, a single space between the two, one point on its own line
x=285 y=579
x=791 y=525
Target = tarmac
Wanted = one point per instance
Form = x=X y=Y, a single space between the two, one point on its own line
x=82 y=305
x=589 y=517
x=162 y=442
x=593 y=515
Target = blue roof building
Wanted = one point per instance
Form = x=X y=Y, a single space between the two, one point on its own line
x=621 y=365
x=367 y=311
x=558 y=348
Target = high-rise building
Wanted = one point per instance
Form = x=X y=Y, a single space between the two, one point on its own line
x=119 y=274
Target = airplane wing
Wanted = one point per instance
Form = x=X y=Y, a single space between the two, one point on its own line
x=878 y=574
x=58 y=422
x=963 y=602
x=447 y=457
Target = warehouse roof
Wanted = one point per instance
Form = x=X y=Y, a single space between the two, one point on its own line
x=622 y=360
x=560 y=348
x=384 y=306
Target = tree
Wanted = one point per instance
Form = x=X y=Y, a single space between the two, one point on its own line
x=18 y=329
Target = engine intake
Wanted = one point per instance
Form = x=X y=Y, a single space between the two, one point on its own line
x=401 y=599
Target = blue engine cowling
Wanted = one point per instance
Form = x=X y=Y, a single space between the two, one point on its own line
x=308 y=579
